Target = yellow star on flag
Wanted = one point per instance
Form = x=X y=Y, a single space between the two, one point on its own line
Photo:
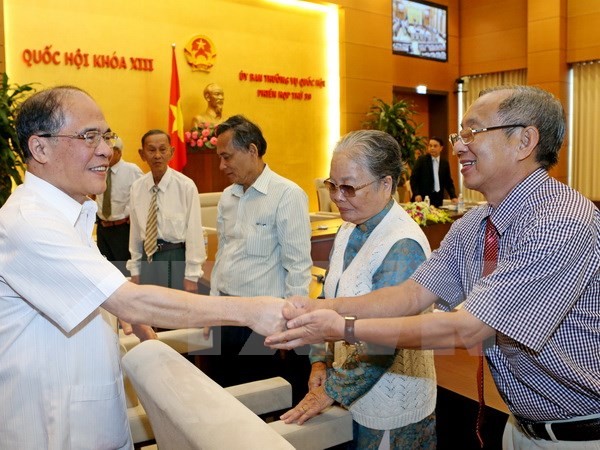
x=178 y=119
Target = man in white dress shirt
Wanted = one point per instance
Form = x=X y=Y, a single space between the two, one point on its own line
x=112 y=225
x=178 y=260
x=264 y=247
x=60 y=373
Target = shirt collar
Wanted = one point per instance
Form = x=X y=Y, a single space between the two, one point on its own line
x=57 y=199
x=369 y=225
x=510 y=207
x=261 y=184
x=162 y=184
x=116 y=166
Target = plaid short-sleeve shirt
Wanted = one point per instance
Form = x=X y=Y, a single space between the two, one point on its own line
x=543 y=299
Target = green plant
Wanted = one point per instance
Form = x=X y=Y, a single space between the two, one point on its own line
x=11 y=156
x=397 y=120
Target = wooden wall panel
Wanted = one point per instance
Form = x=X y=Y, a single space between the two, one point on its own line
x=583 y=39
x=368 y=63
x=368 y=28
x=493 y=36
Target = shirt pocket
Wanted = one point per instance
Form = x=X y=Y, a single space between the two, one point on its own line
x=98 y=417
x=173 y=226
x=261 y=240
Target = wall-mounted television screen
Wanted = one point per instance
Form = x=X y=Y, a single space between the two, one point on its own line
x=420 y=29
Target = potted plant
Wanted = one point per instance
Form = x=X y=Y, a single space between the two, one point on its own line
x=397 y=120
x=11 y=155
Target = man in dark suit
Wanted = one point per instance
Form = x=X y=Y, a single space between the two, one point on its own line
x=431 y=176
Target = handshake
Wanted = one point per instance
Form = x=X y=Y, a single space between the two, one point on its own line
x=294 y=322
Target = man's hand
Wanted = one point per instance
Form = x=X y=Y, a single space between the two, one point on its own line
x=143 y=332
x=264 y=314
x=302 y=304
x=312 y=404
x=312 y=328
x=318 y=375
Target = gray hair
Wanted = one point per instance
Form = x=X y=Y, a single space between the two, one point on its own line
x=375 y=150
x=42 y=113
x=533 y=106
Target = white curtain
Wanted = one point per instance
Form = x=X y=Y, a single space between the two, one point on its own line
x=473 y=85
x=585 y=133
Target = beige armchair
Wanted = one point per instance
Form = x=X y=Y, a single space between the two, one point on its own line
x=208 y=208
x=187 y=409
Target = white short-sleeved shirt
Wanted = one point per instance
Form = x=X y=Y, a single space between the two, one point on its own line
x=60 y=377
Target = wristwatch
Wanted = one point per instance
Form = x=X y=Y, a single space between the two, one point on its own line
x=349 y=330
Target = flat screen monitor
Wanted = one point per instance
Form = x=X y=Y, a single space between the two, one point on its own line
x=420 y=29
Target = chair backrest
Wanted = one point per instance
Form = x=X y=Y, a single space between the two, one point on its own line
x=187 y=409
x=208 y=208
x=325 y=203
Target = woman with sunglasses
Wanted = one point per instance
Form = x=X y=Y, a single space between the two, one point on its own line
x=390 y=393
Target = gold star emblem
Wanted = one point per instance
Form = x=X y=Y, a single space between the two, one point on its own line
x=178 y=122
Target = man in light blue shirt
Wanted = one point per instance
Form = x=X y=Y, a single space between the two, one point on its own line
x=264 y=241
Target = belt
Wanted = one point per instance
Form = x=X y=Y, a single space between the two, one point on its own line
x=164 y=246
x=113 y=223
x=578 y=430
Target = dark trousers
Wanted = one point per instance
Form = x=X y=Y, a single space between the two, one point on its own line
x=166 y=269
x=436 y=198
x=240 y=356
x=113 y=242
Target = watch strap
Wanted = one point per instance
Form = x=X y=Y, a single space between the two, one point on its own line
x=349 y=330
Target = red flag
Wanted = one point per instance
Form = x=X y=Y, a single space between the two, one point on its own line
x=179 y=159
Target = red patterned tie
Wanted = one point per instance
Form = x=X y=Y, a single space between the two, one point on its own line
x=490 y=259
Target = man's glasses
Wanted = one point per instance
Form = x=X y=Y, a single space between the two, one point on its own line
x=346 y=189
x=92 y=138
x=467 y=135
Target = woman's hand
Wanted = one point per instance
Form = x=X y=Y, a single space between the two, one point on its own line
x=312 y=404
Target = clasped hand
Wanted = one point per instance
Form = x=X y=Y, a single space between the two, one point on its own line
x=306 y=325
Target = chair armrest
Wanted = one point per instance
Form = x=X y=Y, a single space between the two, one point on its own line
x=185 y=340
x=264 y=396
x=330 y=428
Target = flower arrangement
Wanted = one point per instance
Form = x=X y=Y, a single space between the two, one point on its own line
x=422 y=213
x=201 y=137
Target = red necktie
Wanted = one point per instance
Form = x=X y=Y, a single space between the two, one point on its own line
x=490 y=259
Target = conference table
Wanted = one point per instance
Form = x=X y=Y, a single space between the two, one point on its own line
x=323 y=235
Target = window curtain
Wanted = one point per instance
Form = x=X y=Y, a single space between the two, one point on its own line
x=475 y=84
x=585 y=133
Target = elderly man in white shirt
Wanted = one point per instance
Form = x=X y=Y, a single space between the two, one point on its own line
x=180 y=253
x=60 y=374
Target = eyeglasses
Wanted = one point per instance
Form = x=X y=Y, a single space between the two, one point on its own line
x=467 y=135
x=92 y=138
x=346 y=189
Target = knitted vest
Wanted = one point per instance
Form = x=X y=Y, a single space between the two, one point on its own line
x=406 y=393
